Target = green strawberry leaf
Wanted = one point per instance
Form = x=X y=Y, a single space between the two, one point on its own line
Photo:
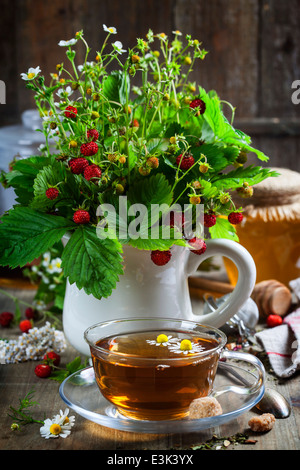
x=92 y=263
x=223 y=229
x=235 y=179
x=25 y=234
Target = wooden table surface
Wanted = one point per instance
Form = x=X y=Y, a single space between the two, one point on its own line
x=16 y=380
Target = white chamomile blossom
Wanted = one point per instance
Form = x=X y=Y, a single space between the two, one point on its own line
x=185 y=347
x=31 y=74
x=111 y=29
x=55 y=428
x=71 y=42
x=63 y=93
x=63 y=419
x=161 y=340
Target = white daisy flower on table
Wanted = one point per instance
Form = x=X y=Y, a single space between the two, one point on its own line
x=118 y=47
x=71 y=42
x=31 y=74
x=53 y=428
x=63 y=418
x=111 y=29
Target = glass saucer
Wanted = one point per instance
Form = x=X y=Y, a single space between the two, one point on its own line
x=80 y=392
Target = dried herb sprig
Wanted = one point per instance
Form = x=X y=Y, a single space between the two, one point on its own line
x=218 y=443
x=20 y=415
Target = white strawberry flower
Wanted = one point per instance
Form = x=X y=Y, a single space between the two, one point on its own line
x=31 y=74
x=71 y=42
x=118 y=47
x=111 y=29
x=64 y=93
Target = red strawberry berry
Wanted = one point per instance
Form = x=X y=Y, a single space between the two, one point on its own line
x=52 y=193
x=235 y=218
x=176 y=219
x=209 y=220
x=25 y=326
x=197 y=103
x=89 y=149
x=71 y=112
x=6 y=318
x=43 y=370
x=92 y=171
x=160 y=258
x=92 y=134
x=77 y=165
x=29 y=313
x=52 y=358
x=185 y=162
x=198 y=245
x=274 y=320
x=81 y=217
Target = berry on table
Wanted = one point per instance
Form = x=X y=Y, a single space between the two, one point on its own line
x=6 y=318
x=274 y=320
x=77 y=165
x=160 y=258
x=52 y=358
x=43 y=370
x=25 y=326
x=29 y=313
x=185 y=162
x=71 y=112
x=52 y=193
x=81 y=217
x=89 y=149
x=235 y=218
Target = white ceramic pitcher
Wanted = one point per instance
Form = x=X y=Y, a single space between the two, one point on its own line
x=147 y=290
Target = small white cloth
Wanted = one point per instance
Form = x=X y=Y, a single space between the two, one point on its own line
x=282 y=345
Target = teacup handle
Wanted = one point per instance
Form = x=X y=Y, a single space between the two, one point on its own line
x=248 y=388
x=246 y=279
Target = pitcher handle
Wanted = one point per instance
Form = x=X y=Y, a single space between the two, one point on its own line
x=246 y=278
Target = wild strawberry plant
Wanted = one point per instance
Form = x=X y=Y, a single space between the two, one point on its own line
x=125 y=125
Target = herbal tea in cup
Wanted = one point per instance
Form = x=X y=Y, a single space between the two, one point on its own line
x=152 y=369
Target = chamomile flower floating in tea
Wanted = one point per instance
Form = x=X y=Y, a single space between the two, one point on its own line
x=186 y=347
x=161 y=340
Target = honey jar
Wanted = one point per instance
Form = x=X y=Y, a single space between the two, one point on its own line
x=270 y=230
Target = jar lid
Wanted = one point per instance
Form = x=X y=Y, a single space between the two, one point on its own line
x=275 y=198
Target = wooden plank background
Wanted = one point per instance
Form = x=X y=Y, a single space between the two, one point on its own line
x=254 y=53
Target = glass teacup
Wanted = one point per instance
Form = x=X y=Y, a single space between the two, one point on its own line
x=152 y=369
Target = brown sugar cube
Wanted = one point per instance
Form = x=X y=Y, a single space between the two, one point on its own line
x=204 y=408
x=262 y=423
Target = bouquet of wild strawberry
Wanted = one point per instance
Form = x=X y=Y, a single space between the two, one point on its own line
x=126 y=128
